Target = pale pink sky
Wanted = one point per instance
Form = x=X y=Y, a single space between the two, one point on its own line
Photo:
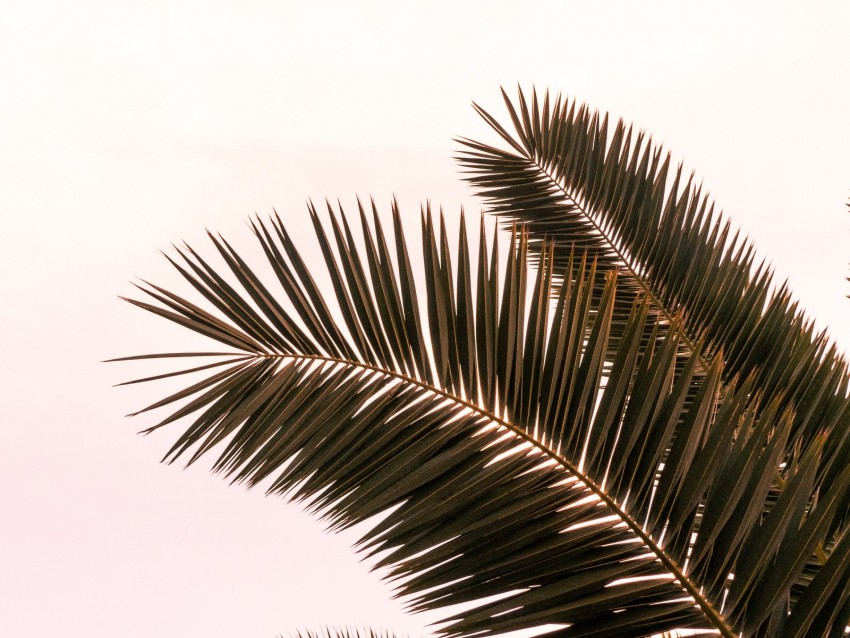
x=126 y=126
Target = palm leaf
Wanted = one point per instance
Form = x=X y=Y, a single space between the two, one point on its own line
x=510 y=456
x=573 y=179
x=334 y=632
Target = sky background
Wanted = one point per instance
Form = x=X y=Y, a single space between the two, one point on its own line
x=126 y=126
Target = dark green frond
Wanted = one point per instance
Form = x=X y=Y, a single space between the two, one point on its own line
x=509 y=455
x=572 y=178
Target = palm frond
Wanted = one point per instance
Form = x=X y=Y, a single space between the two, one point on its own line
x=335 y=632
x=511 y=456
x=573 y=179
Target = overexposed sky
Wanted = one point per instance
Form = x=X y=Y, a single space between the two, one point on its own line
x=125 y=126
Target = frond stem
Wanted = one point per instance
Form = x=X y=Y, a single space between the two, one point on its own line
x=658 y=303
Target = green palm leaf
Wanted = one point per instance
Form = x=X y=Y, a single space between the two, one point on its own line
x=573 y=179
x=510 y=451
x=342 y=633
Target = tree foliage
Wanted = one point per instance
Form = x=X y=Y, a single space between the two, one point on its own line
x=618 y=425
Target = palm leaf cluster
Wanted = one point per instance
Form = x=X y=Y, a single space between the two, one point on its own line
x=565 y=431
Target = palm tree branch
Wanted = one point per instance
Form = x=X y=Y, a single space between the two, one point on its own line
x=569 y=467
x=567 y=180
x=631 y=413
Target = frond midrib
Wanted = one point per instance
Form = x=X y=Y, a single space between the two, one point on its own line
x=687 y=584
x=626 y=261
